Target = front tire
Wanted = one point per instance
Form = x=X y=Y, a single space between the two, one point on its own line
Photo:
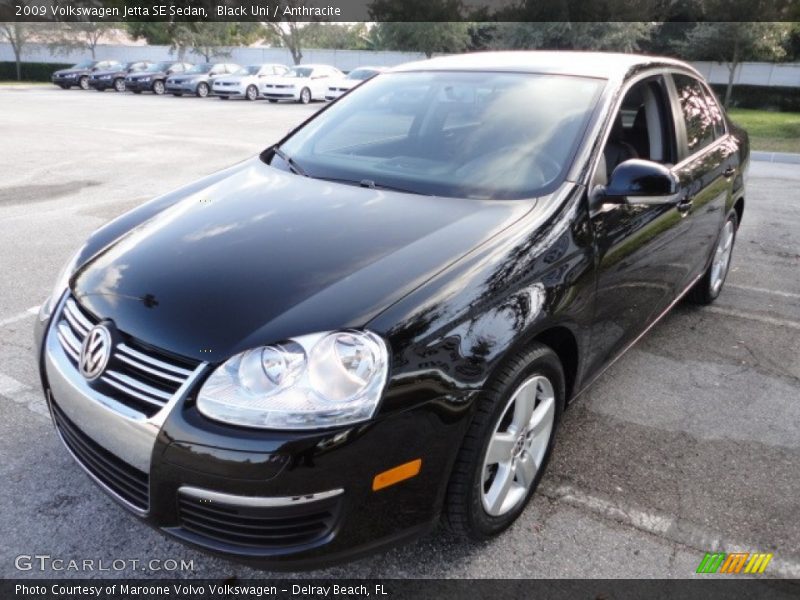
x=708 y=288
x=305 y=96
x=202 y=90
x=83 y=82
x=251 y=93
x=506 y=448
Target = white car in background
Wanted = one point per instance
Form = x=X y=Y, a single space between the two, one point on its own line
x=354 y=77
x=244 y=82
x=302 y=83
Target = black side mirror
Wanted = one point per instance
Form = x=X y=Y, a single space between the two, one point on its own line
x=638 y=181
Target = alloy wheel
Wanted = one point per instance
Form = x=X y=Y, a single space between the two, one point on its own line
x=722 y=257
x=518 y=446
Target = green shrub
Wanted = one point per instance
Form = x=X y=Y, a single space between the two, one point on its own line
x=30 y=71
x=763 y=98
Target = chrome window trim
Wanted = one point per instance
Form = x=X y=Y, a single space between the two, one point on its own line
x=256 y=501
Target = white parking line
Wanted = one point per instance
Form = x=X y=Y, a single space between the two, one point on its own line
x=684 y=533
x=759 y=290
x=730 y=312
x=18 y=317
x=19 y=393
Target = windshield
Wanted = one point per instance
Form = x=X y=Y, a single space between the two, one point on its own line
x=158 y=67
x=85 y=64
x=251 y=70
x=201 y=68
x=299 y=72
x=473 y=134
x=361 y=74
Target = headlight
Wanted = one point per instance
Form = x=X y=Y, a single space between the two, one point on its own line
x=62 y=282
x=145 y=79
x=312 y=381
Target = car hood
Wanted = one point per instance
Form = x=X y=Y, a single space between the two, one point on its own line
x=287 y=80
x=102 y=73
x=262 y=255
x=233 y=79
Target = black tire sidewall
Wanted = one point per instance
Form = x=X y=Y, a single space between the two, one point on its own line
x=247 y=92
x=83 y=83
x=305 y=93
x=540 y=361
x=119 y=85
x=202 y=86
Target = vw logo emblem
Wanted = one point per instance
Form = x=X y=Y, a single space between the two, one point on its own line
x=95 y=352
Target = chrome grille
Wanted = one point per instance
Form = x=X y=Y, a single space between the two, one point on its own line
x=138 y=376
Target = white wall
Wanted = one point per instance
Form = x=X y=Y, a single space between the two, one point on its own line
x=751 y=73
x=343 y=59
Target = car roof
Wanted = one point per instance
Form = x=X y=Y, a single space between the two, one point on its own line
x=606 y=65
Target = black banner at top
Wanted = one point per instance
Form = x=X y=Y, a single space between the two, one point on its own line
x=400 y=10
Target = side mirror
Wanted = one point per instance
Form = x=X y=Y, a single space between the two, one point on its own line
x=637 y=181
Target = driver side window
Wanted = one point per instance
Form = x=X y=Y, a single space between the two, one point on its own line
x=640 y=129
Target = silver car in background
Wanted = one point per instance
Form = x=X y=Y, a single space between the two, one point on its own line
x=199 y=78
x=244 y=82
x=355 y=77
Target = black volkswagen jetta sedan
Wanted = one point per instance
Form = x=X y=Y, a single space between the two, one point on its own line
x=153 y=77
x=377 y=323
x=115 y=77
x=78 y=74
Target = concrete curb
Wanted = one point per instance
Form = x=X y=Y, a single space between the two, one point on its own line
x=776 y=157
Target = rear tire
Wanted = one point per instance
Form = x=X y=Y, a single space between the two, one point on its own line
x=202 y=90
x=507 y=445
x=251 y=93
x=83 y=82
x=119 y=85
x=177 y=94
x=305 y=96
x=708 y=288
x=158 y=88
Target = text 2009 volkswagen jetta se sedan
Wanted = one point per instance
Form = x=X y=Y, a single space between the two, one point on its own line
x=378 y=321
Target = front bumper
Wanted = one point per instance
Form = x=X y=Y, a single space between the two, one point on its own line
x=101 y=84
x=280 y=93
x=189 y=87
x=207 y=483
x=138 y=85
x=65 y=80
x=228 y=91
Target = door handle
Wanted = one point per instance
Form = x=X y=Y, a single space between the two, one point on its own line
x=729 y=172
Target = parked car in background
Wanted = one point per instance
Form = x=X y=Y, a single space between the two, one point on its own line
x=78 y=74
x=199 y=79
x=301 y=84
x=115 y=77
x=338 y=87
x=153 y=77
x=244 y=82
x=378 y=321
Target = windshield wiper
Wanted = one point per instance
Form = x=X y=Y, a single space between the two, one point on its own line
x=297 y=169
x=368 y=183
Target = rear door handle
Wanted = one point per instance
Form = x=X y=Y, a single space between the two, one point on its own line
x=729 y=172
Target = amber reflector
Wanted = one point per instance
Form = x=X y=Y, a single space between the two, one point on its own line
x=396 y=474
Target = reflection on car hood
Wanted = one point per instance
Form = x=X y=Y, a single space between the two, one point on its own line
x=262 y=255
x=286 y=80
x=233 y=78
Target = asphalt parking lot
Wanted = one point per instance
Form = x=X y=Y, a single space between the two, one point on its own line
x=689 y=443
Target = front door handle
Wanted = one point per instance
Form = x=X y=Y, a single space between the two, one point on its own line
x=729 y=172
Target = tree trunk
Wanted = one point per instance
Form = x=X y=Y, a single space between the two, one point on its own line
x=731 y=75
x=19 y=64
